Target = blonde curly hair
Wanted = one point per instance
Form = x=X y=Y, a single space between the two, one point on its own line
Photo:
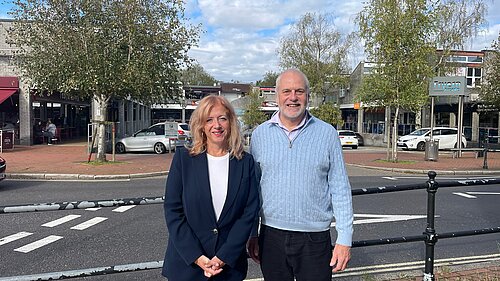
x=197 y=123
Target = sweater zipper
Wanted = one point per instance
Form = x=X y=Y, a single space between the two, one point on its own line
x=290 y=141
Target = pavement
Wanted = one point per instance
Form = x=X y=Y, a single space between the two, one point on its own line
x=70 y=160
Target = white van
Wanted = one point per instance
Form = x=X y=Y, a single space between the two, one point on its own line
x=416 y=140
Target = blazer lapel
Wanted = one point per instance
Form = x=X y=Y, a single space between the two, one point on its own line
x=200 y=171
x=233 y=185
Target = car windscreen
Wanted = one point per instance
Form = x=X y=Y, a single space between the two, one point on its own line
x=347 y=134
x=419 y=132
x=185 y=127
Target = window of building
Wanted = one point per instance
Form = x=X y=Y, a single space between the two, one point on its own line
x=473 y=77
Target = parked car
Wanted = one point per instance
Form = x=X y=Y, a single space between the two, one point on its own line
x=361 y=140
x=3 y=167
x=348 y=139
x=184 y=130
x=158 y=138
x=446 y=136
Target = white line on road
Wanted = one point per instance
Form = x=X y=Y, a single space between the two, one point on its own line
x=93 y=209
x=14 y=237
x=483 y=193
x=38 y=244
x=123 y=208
x=374 y=218
x=390 y=178
x=89 y=223
x=61 y=220
x=464 y=195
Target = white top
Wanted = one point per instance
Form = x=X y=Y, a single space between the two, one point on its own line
x=218 y=173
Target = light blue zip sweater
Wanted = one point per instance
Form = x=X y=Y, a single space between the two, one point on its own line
x=304 y=183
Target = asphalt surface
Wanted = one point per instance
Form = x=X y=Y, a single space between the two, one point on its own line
x=70 y=160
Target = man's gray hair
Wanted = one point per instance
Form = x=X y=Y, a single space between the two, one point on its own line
x=296 y=70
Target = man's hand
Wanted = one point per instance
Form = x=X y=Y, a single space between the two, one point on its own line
x=253 y=249
x=209 y=267
x=340 y=258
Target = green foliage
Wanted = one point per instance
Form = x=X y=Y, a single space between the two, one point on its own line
x=490 y=89
x=330 y=113
x=396 y=38
x=103 y=48
x=253 y=116
x=268 y=80
x=195 y=75
x=317 y=48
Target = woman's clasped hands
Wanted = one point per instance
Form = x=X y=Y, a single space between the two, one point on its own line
x=210 y=267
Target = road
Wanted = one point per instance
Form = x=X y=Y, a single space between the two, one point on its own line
x=81 y=239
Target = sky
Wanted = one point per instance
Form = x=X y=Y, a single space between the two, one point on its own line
x=241 y=37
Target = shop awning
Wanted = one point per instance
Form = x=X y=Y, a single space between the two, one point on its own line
x=6 y=93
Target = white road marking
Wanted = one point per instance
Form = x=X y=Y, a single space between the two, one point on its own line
x=465 y=195
x=483 y=193
x=14 y=237
x=89 y=223
x=123 y=208
x=61 y=220
x=38 y=244
x=390 y=178
x=374 y=218
x=93 y=209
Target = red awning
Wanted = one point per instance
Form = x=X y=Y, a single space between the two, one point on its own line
x=6 y=93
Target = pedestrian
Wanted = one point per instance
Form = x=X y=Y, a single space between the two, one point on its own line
x=50 y=131
x=303 y=185
x=211 y=199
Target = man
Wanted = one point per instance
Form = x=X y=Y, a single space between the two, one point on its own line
x=304 y=184
x=50 y=132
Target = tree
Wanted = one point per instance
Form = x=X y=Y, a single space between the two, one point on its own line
x=252 y=115
x=269 y=79
x=330 y=113
x=317 y=48
x=490 y=88
x=401 y=37
x=195 y=75
x=103 y=49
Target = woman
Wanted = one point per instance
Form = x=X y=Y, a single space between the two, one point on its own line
x=211 y=199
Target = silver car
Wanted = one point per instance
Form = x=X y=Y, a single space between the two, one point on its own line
x=158 y=138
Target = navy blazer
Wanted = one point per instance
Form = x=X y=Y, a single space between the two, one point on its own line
x=191 y=221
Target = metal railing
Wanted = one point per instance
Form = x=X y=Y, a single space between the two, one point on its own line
x=430 y=237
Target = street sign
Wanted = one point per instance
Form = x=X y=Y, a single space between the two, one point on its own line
x=448 y=86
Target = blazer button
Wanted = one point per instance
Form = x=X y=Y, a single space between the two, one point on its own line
x=215 y=231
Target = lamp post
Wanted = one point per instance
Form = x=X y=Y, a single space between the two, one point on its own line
x=183 y=106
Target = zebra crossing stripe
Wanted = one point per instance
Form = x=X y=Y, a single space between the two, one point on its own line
x=38 y=244
x=89 y=223
x=14 y=237
x=123 y=208
x=61 y=220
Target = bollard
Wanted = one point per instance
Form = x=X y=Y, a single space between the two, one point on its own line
x=430 y=232
x=485 y=158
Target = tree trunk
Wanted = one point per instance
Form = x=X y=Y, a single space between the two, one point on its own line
x=100 y=117
x=395 y=137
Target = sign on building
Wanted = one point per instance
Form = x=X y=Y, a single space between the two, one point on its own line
x=448 y=86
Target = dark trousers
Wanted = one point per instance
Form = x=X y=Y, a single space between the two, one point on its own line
x=288 y=254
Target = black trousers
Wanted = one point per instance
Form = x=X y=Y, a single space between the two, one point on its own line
x=288 y=254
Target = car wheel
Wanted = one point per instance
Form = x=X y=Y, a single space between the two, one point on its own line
x=355 y=147
x=120 y=148
x=159 y=148
x=421 y=146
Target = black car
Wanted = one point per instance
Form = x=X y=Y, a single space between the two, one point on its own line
x=361 y=141
x=3 y=166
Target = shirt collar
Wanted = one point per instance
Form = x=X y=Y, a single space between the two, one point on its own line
x=276 y=120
